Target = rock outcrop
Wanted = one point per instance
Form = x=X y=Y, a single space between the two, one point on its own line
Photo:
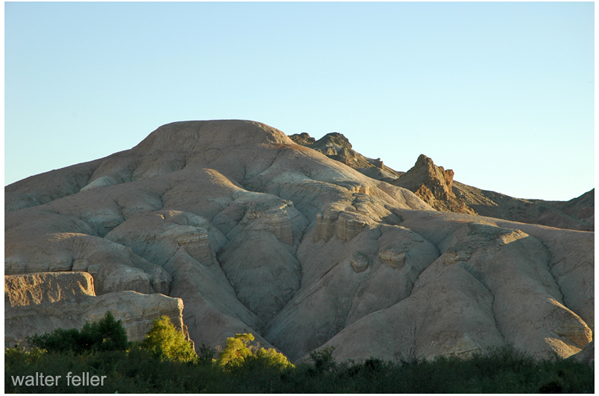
x=257 y=233
x=434 y=185
x=42 y=302
x=336 y=146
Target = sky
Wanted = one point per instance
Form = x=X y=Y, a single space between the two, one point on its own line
x=502 y=93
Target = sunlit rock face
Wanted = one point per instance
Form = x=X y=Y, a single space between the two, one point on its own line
x=434 y=185
x=233 y=227
x=41 y=302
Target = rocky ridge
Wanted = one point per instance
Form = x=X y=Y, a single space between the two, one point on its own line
x=436 y=187
x=336 y=146
x=257 y=233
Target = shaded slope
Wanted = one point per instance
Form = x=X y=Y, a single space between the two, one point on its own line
x=551 y=213
x=259 y=234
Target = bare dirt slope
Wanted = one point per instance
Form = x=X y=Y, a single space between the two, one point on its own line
x=256 y=233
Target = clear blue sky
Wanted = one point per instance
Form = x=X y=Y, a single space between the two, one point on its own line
x=502 y=93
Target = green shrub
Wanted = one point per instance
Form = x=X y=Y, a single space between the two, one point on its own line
x=238 y=353
x=165 y=342
x=323 y=359
x=206 y=354
x=107 y=334
x=20 y=356
x=244 y=368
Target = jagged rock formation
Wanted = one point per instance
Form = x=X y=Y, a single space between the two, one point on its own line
x=41 y=302
x=256 y=233
x=436 y=186
x=336 y=146
x=433 y=184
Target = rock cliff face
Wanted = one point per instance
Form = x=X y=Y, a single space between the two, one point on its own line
x=257 y=233
x=41 y=302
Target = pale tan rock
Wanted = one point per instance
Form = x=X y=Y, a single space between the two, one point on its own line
x=334 y=294
x=49 y=186
x=344 y=225
x=336 y=146
x=359 y=262
x=157 y=236
x=435 y=185
x=402 y=256
x=212 y=311
x=572 y=253
x=262 y=270
x=46 y=287
x=103 y=181
x=265 y=212
x=258 y=234
x=393 y=257
x=43 y=302
x=451 y=315
x=114 y=267
x=528 y=304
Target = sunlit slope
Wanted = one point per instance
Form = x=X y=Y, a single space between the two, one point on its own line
x=256 y=233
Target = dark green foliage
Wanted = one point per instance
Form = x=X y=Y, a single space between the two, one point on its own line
x=323 y=360
x=107 y=334
x=206 y=354
x=137 y=371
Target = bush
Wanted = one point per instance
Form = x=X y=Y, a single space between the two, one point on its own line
x=165 y=342
x=107 y=334
x=206 y=354
x=238 y=353
x=244 y=368
x=323 y=359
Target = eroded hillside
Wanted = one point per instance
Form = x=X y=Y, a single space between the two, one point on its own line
x=256 y=233
x=436 y=186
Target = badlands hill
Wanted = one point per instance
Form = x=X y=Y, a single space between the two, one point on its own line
x=436 y=186
x=232 y=227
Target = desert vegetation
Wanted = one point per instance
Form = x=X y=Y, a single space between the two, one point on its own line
x=165 y=362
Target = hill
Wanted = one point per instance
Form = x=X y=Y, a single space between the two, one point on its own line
x=250 y=232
